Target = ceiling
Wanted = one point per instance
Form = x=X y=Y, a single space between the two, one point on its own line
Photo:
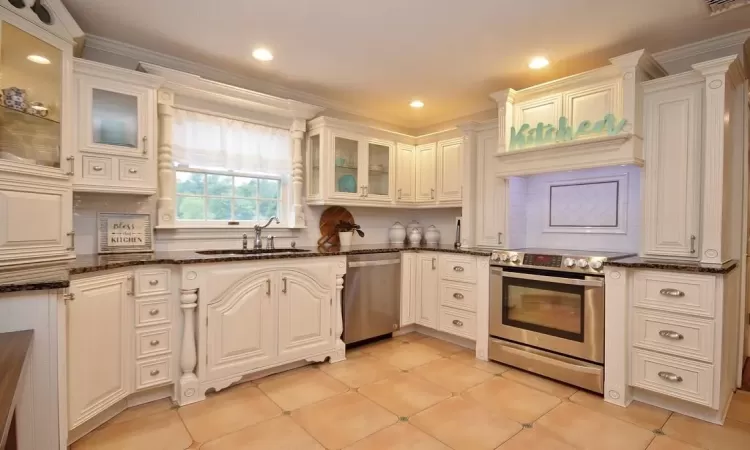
x=374 y=57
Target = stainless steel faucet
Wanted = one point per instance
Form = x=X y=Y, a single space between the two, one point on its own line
x=258 y=244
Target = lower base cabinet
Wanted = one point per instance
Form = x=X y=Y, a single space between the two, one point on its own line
x=426 y=291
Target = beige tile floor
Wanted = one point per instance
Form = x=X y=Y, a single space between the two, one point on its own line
x=413 y=392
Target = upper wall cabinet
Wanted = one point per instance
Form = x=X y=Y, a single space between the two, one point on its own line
x=116 y=138
x=36 y=155
x=348 y=164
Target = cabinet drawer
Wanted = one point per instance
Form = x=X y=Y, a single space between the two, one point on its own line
x=154 y=312
x=153 y=343
x=675 y=377
x=152 y=373
x=97 y=168
x=685 y=294
x=458 y=295
x=131 y=170
x=458 y=268
x=458 y=322
x=674 y=334
x=150 y=282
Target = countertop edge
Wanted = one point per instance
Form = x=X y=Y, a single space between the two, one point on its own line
x=675 y=266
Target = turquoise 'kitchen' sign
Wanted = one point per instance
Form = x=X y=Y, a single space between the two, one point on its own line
x=548 y=134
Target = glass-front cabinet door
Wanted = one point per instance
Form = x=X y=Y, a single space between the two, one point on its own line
x=112 y=117
x=379 y=156
x=31 y=111
x=346 y=159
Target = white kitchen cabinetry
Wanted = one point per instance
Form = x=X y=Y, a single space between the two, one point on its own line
x=304 y=314
x=351 y=164
x=255 y=316
x=673 y=123
x=116 y=132
x=100 y=343
x=427 y=290
x=426 y=173
x=406 y=173
x=36 y=152
x=449 y=172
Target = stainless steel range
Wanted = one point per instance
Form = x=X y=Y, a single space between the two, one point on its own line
x=547 y=313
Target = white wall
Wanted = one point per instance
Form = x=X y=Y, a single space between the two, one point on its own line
x=375 y=223
x=535 y=195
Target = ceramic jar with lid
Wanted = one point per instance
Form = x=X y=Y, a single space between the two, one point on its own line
x=415 y=237
x=412 y=225
x=397 y=234
x=432 y=235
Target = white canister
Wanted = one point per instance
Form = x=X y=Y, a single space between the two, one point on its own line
x=415 y=236
x=432 y=235
x=412 y=225
x=397 y=234
x=345 y=238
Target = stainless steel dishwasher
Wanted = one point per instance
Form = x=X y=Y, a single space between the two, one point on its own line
x=372 y=292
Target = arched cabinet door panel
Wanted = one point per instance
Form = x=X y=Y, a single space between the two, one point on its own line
x=305 y=309
x=240 y=331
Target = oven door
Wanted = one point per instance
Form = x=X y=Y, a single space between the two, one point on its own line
x=563 y=314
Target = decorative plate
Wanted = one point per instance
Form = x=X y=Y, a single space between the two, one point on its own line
x=347 y=183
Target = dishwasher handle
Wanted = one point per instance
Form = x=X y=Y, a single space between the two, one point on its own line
x=382 y=262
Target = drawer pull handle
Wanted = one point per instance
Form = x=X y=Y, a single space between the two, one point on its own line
x=153 y=282
x=98 y=168
x=154 y=372
x=672 y=292
x=458 y=323
x=669 y=334
x=458 y=269
x=154 y=343
x=669 y=376
x=133 y=171
x=154 y=312
x=458 y=296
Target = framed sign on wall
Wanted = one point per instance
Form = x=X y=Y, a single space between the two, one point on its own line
x=125 y=233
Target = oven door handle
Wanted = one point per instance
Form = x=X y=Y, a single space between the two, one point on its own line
x=560 y=280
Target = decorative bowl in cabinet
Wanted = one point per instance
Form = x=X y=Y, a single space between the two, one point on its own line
x=15 y=98
x=347 y=183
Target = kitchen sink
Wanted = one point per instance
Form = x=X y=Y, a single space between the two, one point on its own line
x=251 y=251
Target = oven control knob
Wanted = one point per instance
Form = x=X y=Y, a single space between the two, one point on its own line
x=582 y=263
x=514 y=258
x=596 y=265
x=569 y=262
x=504 y=257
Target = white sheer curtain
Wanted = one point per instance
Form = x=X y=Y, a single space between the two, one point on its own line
x=218 y=143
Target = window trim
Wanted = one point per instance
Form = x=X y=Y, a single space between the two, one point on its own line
x=283 y=212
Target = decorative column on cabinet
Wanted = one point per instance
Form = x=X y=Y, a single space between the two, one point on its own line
x=165 y=204
x=505 y=100
x=338 y=331
x=723 y=77
x=298 y=133
x=188 y=387
x=469 y=197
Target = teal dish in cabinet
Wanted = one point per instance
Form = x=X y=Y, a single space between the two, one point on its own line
x=347 y=183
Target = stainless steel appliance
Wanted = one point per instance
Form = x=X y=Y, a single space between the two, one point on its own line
x=372 y=295
x=547 y=313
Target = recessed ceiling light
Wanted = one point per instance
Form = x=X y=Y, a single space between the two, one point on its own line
x=38 y=59
x=539 y=62
x=417 y=104
x=262 y=54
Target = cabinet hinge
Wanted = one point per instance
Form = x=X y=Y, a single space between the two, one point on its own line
x=331 y=301
x=330 y=332
x=206 y=321
x=69 y=297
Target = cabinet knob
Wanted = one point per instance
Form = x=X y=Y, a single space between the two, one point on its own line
x=154 y=312
x=154 y=372
x=458 y=323
x=458 y=296
x=458 y=269
x=132 y=170
x=98 y=168
x=153 y=282
x=154 y=343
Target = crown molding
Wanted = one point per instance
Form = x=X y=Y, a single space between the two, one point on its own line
x=205 y=71
x=737 y=38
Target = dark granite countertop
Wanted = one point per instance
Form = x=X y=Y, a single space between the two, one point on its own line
x=26 y=278
x=636 y=262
